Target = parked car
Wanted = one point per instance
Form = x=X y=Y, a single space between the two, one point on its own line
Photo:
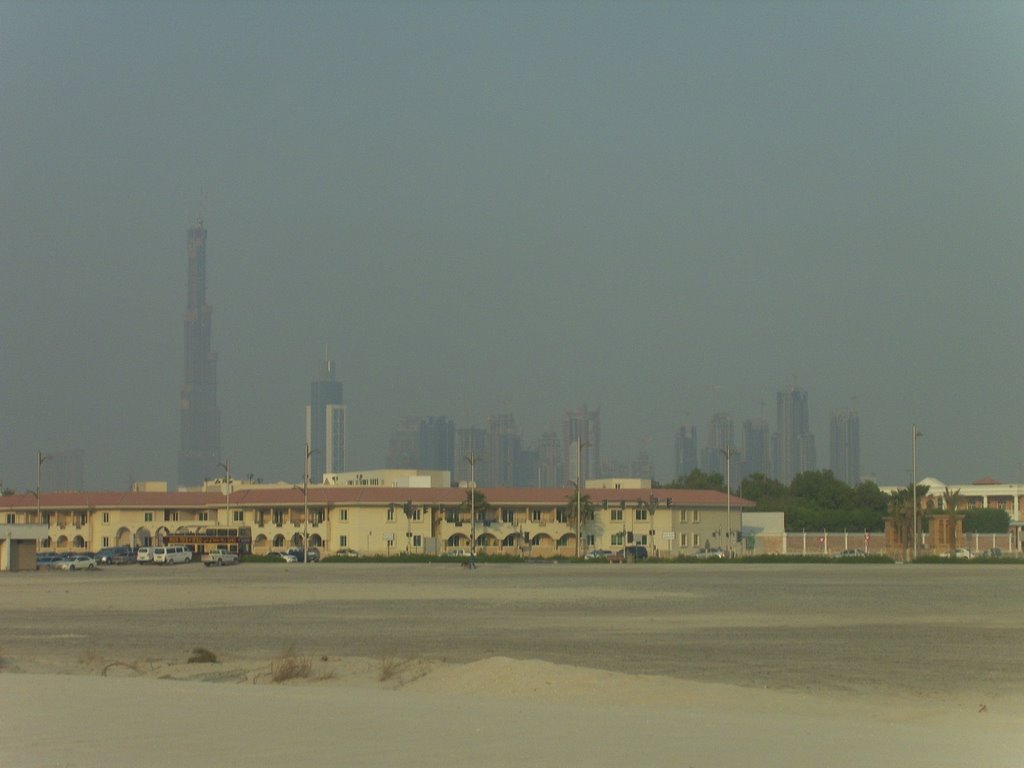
x=47 y=560
x=852 y=553
x=711 y=553
x=963 y=553
x=76 y=563
x=220 y=557
x=598 y=554
x=171 y=555
x=346 y=552
x=144 y=555
x=112 y=555
x=124 y=558
x=993 y=552
x=632 y=553
x=456 y=553
x=294 y=555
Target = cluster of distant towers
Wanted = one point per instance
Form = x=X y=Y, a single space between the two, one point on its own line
x=780 y=455
x=499 y=455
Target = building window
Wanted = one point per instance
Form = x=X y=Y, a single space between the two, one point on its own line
x=148 y=517
x=343 y=515
x=417 y=540
x=641 y=539
x=641 y=513
x=696 y=515
x=343 y=541
x=591 y=540
x=508 y=515
x=617 y=539
x=204 y=516
x=617 y=515
x=534 y=515
x=391 y=514
x=238 y=516
x=683 y=516
x=106 y=541
x=170 y=515
x=10 y=518
x=106 y=517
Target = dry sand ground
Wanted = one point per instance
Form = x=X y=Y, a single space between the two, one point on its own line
x=533 y=664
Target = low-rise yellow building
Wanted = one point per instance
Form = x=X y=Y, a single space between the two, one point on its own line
x=535 y=522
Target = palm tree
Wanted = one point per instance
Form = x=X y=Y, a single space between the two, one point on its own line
x=950 y=501
x=577 y=514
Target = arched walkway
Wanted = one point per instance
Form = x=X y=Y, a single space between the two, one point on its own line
x=123 y=538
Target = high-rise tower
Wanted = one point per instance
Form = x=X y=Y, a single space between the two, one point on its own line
x=792 y=444
x=844 y=453
x=325 y=424
x=199 y=451
x=581 y=432
x=686 y=450
x=720 y=441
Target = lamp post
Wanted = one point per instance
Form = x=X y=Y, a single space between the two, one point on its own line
x=913 y=480
x=472 y=459
x=40 y=458
x=579 y=511
x=226 y=465
x=728 y=453
x=305 y=504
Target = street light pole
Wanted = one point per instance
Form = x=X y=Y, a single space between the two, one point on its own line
x=580 y=445
x=40 y=458
x=305 y=504
x=227 y=485
x=728 y=453
x=913 y=481
x=472 y=459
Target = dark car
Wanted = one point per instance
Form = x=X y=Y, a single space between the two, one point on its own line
x=115 y=555
x=630 y=554
x=47 y=560
x=294 y=555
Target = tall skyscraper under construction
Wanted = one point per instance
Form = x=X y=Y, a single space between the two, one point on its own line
x=199 y=451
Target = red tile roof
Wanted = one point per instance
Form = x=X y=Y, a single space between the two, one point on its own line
x=319 y=495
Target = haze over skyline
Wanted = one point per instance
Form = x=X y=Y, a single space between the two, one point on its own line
x=659 y=210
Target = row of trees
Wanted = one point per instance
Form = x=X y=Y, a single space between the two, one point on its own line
x=818 y=501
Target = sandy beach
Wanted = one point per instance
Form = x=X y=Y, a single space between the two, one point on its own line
x=526 y=664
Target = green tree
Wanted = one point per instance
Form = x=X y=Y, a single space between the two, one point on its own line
x=823 y=489
x=699 y=481
x=758 y=488
x=475 y=499
x=986 y=520
x=867 y=496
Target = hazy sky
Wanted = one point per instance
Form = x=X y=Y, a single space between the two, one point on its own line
x=659 y=209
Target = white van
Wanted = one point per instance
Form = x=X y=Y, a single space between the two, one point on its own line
x=172 y=555
x=144 y=555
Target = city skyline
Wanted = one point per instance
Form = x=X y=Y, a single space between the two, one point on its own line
x=664 y=211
